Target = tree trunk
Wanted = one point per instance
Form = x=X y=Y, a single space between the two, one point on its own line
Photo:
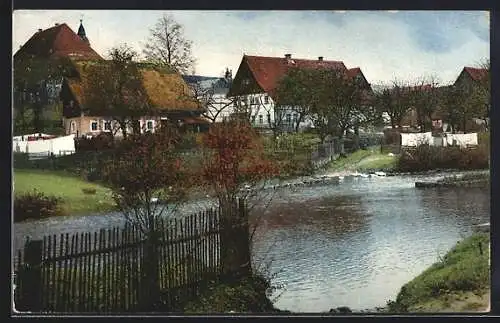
x=235 y=243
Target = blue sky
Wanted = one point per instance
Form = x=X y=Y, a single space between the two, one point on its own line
x=405 y=45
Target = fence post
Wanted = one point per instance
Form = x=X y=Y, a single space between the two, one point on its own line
x=31 y=275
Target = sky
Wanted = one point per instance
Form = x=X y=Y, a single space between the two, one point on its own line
x=386 y=45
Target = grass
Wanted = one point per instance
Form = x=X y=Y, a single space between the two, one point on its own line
x=69 y=188
x=363 y=160
x=458 y=282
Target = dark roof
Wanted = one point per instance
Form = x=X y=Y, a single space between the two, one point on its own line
x=193 y=79
x=269 y=70
x=57 y=41
x=477 y=74
x=218 y=85
x=81 y=32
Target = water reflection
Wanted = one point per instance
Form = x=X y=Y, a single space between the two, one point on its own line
x=353 y=244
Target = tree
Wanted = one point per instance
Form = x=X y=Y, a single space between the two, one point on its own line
x=466 y=101
x=234 y=166
x=168 y=46
x=213 y=105
x=115 y=89
x=395 y=101
x=482 y=93
x=334 y=101
x=145 y=168
x=35 y=90
x=295 y=93
x=425 y=99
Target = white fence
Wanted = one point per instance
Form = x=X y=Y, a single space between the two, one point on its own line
x=416 y=139
x=57 y=146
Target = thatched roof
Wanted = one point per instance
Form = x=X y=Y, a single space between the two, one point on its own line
x=166 y=90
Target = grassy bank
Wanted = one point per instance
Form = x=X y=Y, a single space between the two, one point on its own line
x=364 y=160
x=67 y=187
x=459 y=282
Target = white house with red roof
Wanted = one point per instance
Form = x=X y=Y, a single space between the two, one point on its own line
x=256 y=82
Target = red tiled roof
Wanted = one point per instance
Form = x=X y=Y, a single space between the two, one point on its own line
x=476 y=74
x=57 y=41
x=352 y=72
x=269 y=70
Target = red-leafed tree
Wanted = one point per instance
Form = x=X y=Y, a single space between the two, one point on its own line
x=235 y=167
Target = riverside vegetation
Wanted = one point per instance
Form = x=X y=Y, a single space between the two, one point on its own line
x=459 y=281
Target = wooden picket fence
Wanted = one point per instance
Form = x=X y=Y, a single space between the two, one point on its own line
x=103 y=271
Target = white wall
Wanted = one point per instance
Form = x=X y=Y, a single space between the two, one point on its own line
x=416 y=139
x=55 y=146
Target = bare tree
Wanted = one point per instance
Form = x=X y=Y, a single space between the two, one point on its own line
x=395 y=101
x=425 y=99
x=212 y=103
x=168 y=46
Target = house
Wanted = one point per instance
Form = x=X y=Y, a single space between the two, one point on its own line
x=212 y=93
x=256 y=82
x=469 y=77
x=49 y=47
x=166 y=91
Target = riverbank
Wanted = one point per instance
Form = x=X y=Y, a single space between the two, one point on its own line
x=472 y=179
x=67 y=187
x=363 y=161
x=458 y=282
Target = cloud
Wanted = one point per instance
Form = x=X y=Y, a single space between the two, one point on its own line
x=386 y=45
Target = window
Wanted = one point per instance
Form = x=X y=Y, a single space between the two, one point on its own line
x=150 y=125
x=266 y=99
x=93 y=126
x=261 y=119
x=253 y=119
x=72 y=127
x=107 y=125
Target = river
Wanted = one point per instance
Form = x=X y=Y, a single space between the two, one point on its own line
x=353 y=244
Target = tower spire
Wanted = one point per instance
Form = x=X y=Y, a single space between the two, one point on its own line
x=81 y=32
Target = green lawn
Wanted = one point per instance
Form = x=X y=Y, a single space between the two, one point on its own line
x=458 y=282
x=67 y=187
x=362 y=160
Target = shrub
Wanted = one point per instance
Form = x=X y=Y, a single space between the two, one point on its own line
x=426 y=157
x=35 y=205
x=245 y=295
x=89 y=190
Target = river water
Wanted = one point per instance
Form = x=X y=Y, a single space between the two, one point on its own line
x=353 y=244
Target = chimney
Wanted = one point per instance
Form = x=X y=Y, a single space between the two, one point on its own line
x=288 y=56
x=320 y=58
x=229 y=74
x=56 y=24
x=40 y=29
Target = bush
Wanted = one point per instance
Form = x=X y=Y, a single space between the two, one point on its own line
x=246 y=295
x=35 y=205
x=89 y=190
x=426 y=157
